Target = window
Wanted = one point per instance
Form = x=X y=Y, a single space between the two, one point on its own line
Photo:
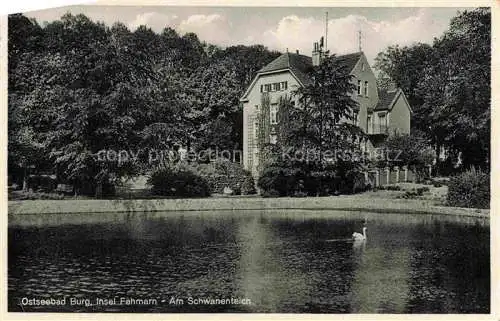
x=355 y=118
x=382 y=122
x=366 y=88
x=261 y=88
x=362 y=66
x=276 y=86
x=382 y=118
x=273 y=114
x=359 y=87
x=369 y=124
x=267 y=88
x=256 y=130
x=284 y=85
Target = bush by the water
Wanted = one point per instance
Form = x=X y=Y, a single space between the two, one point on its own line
x=469 y=189
x=248 y=185
x=178 y=181
x=30 y=195
x=223 y=173
x=298 y=180
x=416 y=192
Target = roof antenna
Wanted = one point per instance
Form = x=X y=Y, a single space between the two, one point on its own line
x=326 y=32
x=359 y=40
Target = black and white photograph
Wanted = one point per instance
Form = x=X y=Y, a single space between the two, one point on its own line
x=249 y=159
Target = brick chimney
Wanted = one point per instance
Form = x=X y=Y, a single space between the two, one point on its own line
x=316 y=55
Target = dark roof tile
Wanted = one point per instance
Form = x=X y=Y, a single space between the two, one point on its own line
x=301 y=64
x=385 y=98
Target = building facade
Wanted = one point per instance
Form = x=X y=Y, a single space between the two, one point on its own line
x=381 y=113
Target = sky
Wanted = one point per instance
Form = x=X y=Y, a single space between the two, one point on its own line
x=279 y=28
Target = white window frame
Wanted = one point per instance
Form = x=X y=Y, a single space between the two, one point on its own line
x=273 y=114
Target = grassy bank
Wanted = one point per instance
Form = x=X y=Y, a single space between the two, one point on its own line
x=380 y=202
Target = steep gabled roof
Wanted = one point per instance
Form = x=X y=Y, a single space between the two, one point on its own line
x=349 y=60
x=386 y=99
x=300 y=65
x=288 y=60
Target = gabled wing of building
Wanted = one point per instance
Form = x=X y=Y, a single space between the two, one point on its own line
x=387 y=99
x=300 y=66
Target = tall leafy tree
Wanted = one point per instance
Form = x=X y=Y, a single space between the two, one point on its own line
x=325 y=108
x=448 y=85
x=405 y=67
x=457 y=87
x=77 y=87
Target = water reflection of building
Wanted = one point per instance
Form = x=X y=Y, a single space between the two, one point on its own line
x=262 y=276
x=381 y=274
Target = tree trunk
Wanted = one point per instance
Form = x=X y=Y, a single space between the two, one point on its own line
x=25 y=179
x=438 y=161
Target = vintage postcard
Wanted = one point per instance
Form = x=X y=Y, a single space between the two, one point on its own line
x=249 y=159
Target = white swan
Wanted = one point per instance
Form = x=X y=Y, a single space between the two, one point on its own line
x=358 y=236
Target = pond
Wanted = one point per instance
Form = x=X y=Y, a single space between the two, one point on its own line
x=279 y=261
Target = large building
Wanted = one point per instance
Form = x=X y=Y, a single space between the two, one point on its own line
x=381 y=112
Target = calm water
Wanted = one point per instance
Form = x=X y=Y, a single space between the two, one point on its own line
x=293 y=261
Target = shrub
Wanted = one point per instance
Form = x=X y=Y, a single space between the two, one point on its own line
x=299 y=179
x=352 y=182
x=248 y=185
x=393 y=187
x=422 y=190
x=178 y=181
x=42 y=183
x=30 y=195
x=273 y=181
x=224 y=173
x=270 y=193
x=469 y=189
x=411 y=194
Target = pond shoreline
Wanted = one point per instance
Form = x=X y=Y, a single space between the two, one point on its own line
x=341 y=203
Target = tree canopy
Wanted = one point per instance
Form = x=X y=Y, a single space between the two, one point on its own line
x=77 y=87
x=448 y=85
